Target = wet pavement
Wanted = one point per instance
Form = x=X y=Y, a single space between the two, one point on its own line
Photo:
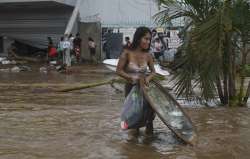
x=36 y=122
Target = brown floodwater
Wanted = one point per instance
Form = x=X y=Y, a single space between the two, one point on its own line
x=36 y=122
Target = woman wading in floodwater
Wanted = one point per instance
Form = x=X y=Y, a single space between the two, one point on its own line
x=132 y=66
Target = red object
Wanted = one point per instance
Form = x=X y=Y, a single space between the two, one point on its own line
x=124 y=125
x=53 y=52
x=77 y=51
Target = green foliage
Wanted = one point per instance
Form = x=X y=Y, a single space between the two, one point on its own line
x=245 y=71
x=159 y=77
x=241 y=19
x=216 y=30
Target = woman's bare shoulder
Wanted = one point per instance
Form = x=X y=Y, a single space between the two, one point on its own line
x=125 y=53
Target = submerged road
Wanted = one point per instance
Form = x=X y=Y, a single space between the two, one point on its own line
x=38 y=123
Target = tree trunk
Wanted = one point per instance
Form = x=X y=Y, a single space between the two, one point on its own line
x=220 y=91
x=246 y=51
x=247 y=95
x=242 y=75
x=232 y=73
x=226 y=69
x=225 y=84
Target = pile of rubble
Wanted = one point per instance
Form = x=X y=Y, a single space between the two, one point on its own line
x=5 y=61
x=11 y=68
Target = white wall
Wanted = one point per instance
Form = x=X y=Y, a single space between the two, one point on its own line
x=119 y=12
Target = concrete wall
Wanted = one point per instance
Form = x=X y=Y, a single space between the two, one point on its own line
x=5 y=43
x=91 y=30
x=1 y=45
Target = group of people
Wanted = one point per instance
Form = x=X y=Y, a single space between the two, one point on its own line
x=157 y=47
x=68 y=47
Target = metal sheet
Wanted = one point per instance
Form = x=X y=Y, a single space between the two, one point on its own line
x=33 y=22
x=170 y=112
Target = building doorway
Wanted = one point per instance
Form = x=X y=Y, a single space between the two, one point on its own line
x=1 y=45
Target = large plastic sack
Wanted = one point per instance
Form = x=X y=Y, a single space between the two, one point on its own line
x=133 y=110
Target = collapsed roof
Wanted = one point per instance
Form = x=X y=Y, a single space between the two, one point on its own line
x=32 y=22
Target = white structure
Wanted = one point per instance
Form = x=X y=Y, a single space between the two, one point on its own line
x=119 y=13
x=31 y=21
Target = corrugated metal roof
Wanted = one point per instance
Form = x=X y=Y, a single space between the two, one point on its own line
x=33 y=22
x=7 y=5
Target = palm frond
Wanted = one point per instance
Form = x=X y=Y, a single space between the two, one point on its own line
x=204 y=56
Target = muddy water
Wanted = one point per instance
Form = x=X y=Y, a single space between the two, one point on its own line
x=38 y=123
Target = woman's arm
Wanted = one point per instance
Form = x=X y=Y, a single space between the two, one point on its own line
x=123 y=59
x=151 y=68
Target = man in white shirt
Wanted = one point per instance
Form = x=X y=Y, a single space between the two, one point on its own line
x=66 y=48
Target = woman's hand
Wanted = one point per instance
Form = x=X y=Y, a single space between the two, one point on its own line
x=147 y=80
x=133 y=80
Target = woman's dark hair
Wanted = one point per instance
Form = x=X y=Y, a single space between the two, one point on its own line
x=139 y=33
x=90 y=39
x=50 y=40
x=127 y=38
x=154 y=31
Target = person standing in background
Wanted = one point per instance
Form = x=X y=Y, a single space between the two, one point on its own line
x=106 y=49
x=50 y=45
x=127 y=43
x=157 y=49
x=154 y=36
x=71 y=39
x=92 y=50
x=60 y=50
x=77 y=47
x=66 y=48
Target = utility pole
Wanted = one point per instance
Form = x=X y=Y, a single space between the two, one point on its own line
x=73 y=18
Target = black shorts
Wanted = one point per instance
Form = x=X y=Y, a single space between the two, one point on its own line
x=92 y=51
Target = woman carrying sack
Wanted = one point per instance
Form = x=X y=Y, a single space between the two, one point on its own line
x=132 y=66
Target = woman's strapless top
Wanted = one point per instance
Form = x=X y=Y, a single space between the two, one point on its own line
x=135 y=70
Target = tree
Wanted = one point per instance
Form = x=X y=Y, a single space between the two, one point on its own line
x=217 y=33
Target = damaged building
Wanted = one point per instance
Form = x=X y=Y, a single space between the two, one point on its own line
x=29 y=23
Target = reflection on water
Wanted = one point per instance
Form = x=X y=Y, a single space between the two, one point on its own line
x=38 y=123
